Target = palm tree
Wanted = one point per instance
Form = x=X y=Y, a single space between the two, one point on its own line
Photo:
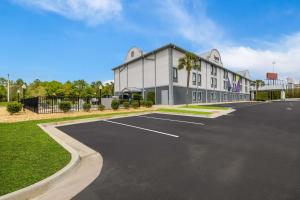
x=257 y=84
x=188 y=62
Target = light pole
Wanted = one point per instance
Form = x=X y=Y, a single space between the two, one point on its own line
x=18 y=91
x=24 y=90
x=100 y=90
x=273 y=63
x=8 y=88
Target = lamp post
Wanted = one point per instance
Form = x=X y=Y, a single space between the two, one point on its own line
x=100 y=90
x=24 y=90
x=18 y=91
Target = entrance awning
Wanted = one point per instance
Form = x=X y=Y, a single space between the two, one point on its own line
x=131 y=90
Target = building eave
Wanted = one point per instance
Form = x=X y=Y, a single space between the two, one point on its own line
x=171 y=45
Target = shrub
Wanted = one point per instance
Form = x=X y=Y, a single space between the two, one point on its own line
x=86 y=107
x=137 y=97
x=148 y=104
x=142 y=103
x=115 y=104
x=126 y=105
x=13 y=107
x=151 y=96
x=101 y=107
x=65 y=106
x=135 y=104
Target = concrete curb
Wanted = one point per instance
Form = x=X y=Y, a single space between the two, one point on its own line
x=43 y=185
x=84 y=167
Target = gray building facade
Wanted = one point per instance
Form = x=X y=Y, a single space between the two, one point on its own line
x=157 y=71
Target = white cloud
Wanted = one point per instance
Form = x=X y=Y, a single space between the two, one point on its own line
x=194 y=26
x=201 y=30
x=284 y=52
x=91 y=11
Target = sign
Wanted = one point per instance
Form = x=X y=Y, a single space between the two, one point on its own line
x=272 y=76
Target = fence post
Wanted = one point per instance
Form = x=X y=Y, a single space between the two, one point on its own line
x=52 y=104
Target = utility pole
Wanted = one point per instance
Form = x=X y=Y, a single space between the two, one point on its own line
x=8 y=87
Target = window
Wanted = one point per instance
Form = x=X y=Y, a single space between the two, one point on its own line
x=132 y=54
x=199 y=96
x=225 y=75
x=199 y=80
x=215 y=73
x=213 y=70
x=194 y=96
x=211 y=82
x=234 y=77
x=213 y=96
x=225 y=85
x=215 y=83
x=225 y=97
x=175 y=74
x=246 y=89
x=194 y=78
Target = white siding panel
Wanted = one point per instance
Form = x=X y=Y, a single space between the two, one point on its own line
x=135 y=74
x=162 y=63
x=149 y=72
x=123 y=77
x=116 y=72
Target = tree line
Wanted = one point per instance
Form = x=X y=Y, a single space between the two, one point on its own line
x=78 y=88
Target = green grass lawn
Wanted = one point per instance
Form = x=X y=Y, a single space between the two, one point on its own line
x=3 y=104
x=179 y=111
x=28 y=155
x=205 y=107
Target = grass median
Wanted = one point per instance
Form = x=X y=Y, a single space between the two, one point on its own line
x=181 y=111
x=205 y=107
x=28 y=155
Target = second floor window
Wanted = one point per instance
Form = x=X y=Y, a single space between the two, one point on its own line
x=199 y=80
x=175 y=74
x=194 y=78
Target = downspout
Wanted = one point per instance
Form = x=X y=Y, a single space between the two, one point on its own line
x=127 y=75
x=155 y=89
x=206 y=85
x=171 y=97
x=143 y=77
x=119 y=81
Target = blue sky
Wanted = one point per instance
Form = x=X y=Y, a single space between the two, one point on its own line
x=84 y=39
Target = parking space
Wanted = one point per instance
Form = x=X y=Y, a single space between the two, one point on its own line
x=254 y=153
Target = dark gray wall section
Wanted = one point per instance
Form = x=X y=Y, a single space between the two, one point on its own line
x=180 y=95
x=158 y=92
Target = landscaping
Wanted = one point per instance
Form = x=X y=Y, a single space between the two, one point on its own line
x=28 y=155
x=208 y=107
x=182 y=111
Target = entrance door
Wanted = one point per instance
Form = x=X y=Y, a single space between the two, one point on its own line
x=164 y=97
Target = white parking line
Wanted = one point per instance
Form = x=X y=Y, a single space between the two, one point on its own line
x=145 y=129
x=173 y=120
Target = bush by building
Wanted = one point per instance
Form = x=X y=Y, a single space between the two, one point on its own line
x=115 y=104
x=148 y=104
x=151 y=96
x=101 y=107
x=126 y=105
x=13 y=107
x=135 y=104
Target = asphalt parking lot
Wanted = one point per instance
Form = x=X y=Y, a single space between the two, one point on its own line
x=253 y=153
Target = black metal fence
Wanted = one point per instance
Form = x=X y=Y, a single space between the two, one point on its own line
x=44 y=105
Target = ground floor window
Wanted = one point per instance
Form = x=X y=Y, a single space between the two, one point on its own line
x=225 y=97
x=213 y=96
x=199 y=96
x=194 y=95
